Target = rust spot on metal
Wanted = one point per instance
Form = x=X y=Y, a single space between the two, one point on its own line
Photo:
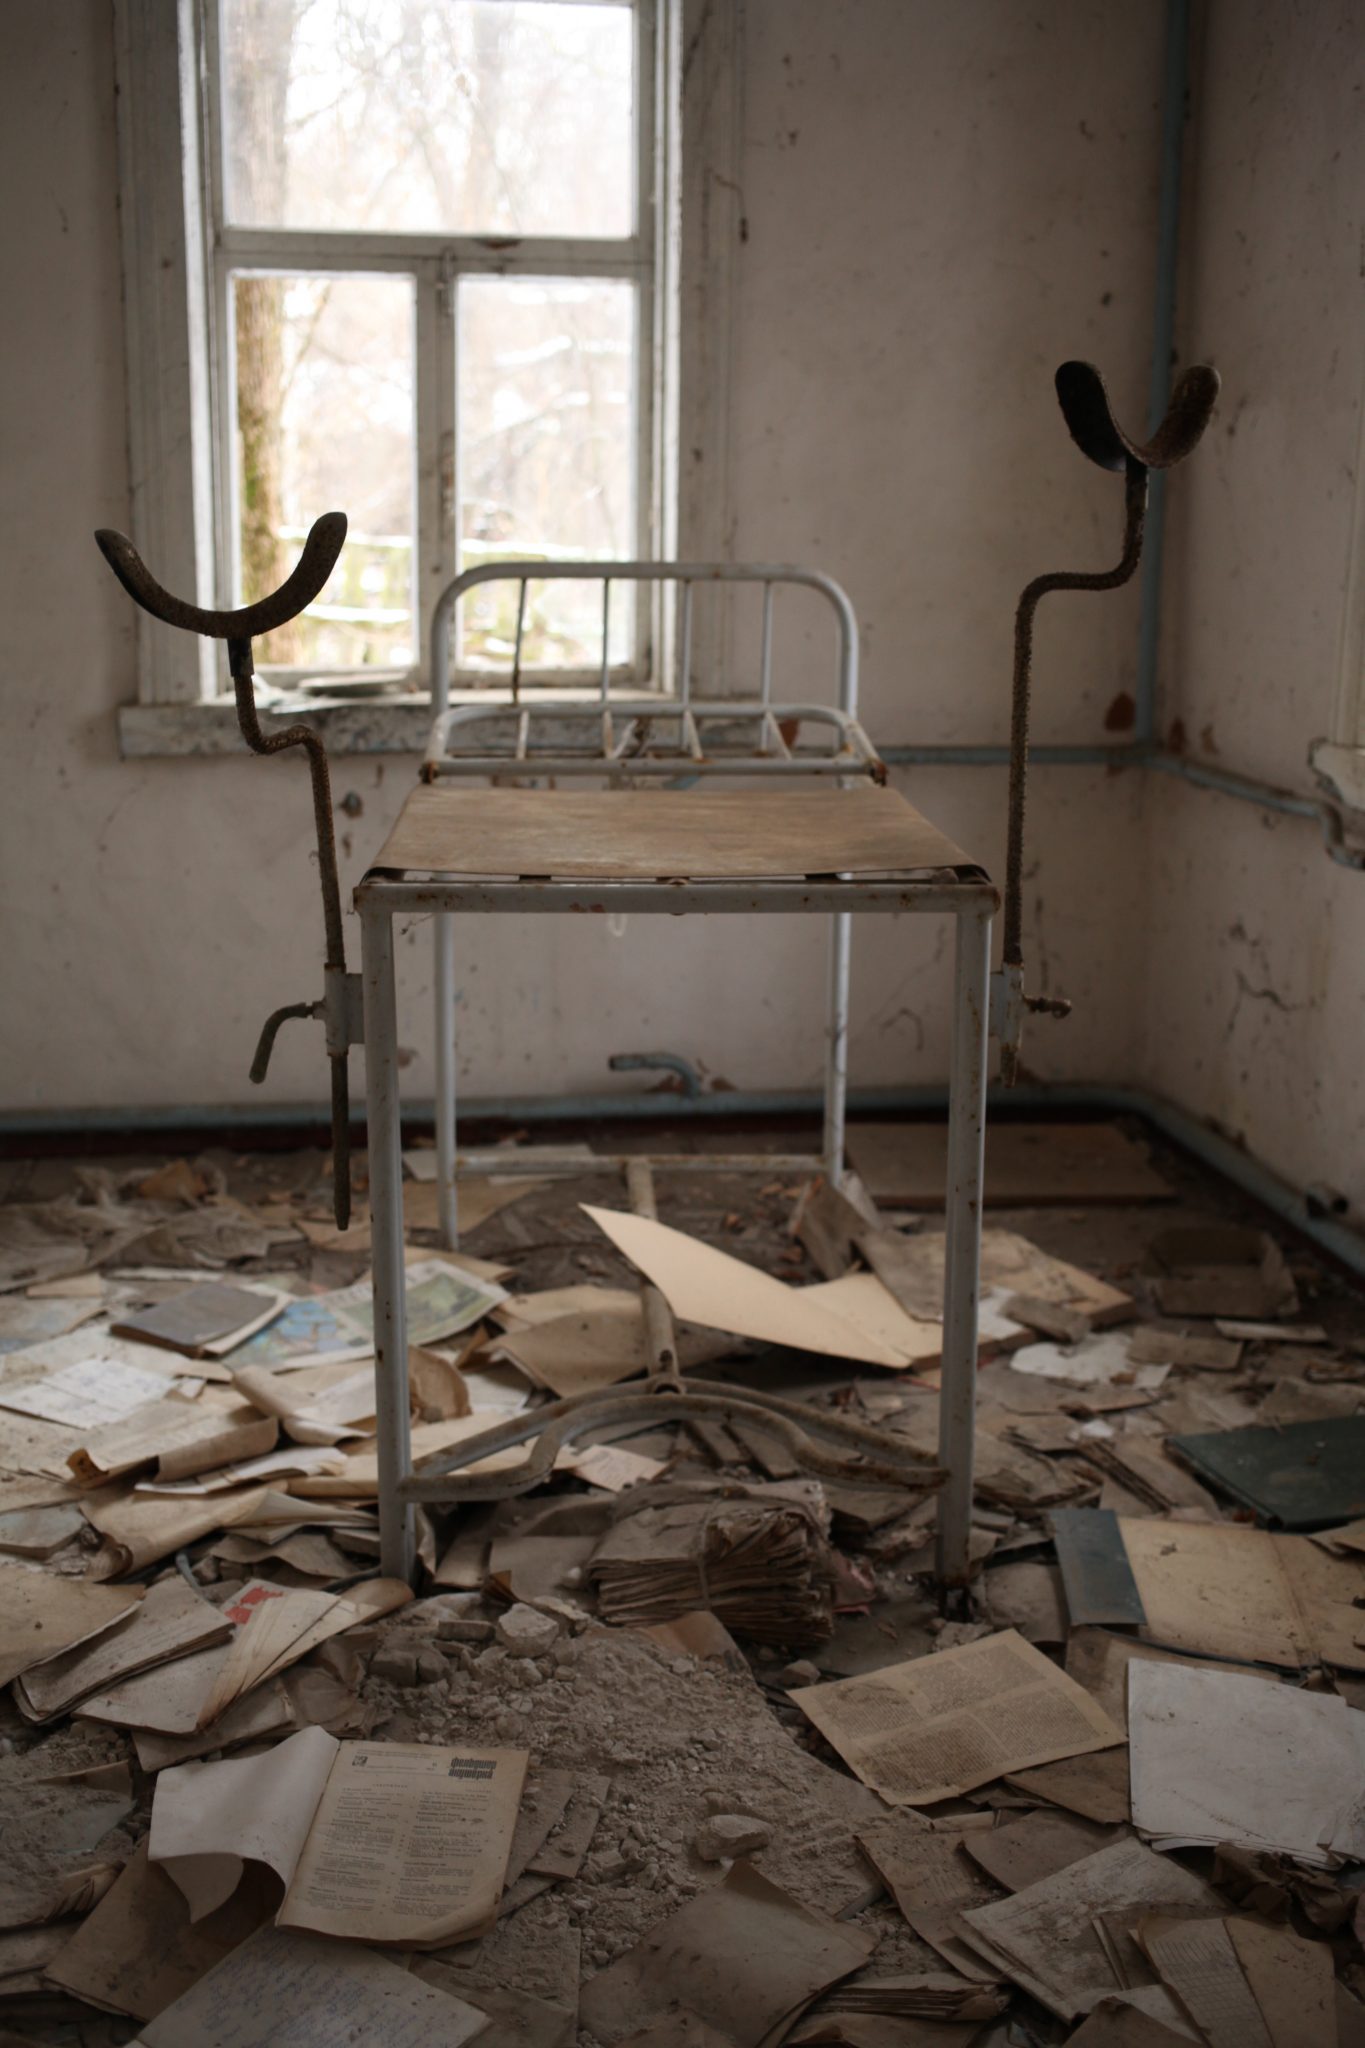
x=1122 y=714
x=1177 y=739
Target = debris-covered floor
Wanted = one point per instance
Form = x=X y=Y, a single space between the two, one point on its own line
x=678 y=1749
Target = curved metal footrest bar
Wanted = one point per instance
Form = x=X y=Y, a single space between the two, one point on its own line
x=827 y=1446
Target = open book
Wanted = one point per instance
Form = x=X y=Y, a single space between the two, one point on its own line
x=388 y=1842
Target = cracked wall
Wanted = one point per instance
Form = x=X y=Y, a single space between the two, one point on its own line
x=1256 y=964
x=899 y=219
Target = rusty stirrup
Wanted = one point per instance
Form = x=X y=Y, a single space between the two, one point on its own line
x=340 y=1006
x=1091 y=423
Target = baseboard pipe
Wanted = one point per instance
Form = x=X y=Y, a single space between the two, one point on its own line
x=1078 y=1098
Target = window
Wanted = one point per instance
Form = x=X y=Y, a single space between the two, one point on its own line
x=414 y=272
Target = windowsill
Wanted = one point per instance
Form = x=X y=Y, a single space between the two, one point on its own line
x=373 y=725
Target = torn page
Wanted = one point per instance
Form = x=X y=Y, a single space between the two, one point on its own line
x=1291 y=1981
x=742 y=1956
x=299 y=1988
x=172 y=1621
x=1196 y=1960
x=292 y=1461
x=934 y=1727
x=141 y=1529
x=1218 y=1757
x=179 y=1437
x=287 y=1623
x=703 y=1285
x=1045 y=1939
x=613 y=1467
x=137 y=1953
x=1099 y=1361
x=42 y=1615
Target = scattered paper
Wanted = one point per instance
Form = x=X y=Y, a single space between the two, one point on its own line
x=137 y=1953
x=294 y=1460
x=1099 y=1361
x=283 y=1625
x=24 y=1322
x=1197 y=1962
x=88 y=1394
x=41 y=1615
x=401 y=1843
x=742 y=1957
x=936 y=1726
x=1218 y=1757
x=613 y=1467
x=1045 y=1937
x=330 y=1329
x=140 y=1529
x=758 y=1563
x=299 y=1988
x=1223 y=1590
x=1291 y=1981
x=171 y=1621
x=579 y=1352
x=703 y=1285
x=179 y=1437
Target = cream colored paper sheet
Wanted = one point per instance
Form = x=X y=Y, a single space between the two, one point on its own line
x=91 y=1393
x=140 y=1529
x=172 y=1621
x=703 y=1285
x=322 y=1420
x=180 y=1437
x=401 y=1843
x=1291 y=1981
x=299 y=1988
x=210 y=1819
x=579 y=1352
x=409 y=1844
x=1045 y=1938
x=1197 y=1962
x=297 y=1461
x=613 y=1467
x=934 y=1727
x=42 y=1615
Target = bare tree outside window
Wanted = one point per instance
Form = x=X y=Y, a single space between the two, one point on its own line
x=349 y=121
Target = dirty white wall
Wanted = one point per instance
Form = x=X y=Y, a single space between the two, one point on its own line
x=900 y=217
x=1256 y=968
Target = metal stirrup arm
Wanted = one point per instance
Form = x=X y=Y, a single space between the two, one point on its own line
x=1091 y=423
x=239 y=628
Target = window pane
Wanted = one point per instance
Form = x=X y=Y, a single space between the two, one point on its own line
x=324 y=422
x=547 y=459
x=429 y=116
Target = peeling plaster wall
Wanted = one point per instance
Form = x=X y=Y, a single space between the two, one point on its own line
x=1257 y=957
x=899 y=217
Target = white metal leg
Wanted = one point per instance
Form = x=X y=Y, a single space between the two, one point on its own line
x=384 y=1133
x=836 y=1057
x=446 y=1196
x=962 y=1265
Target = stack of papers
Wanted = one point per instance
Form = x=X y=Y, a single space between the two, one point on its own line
x=761 y=1567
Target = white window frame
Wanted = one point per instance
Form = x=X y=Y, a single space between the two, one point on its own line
x=177 y=260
